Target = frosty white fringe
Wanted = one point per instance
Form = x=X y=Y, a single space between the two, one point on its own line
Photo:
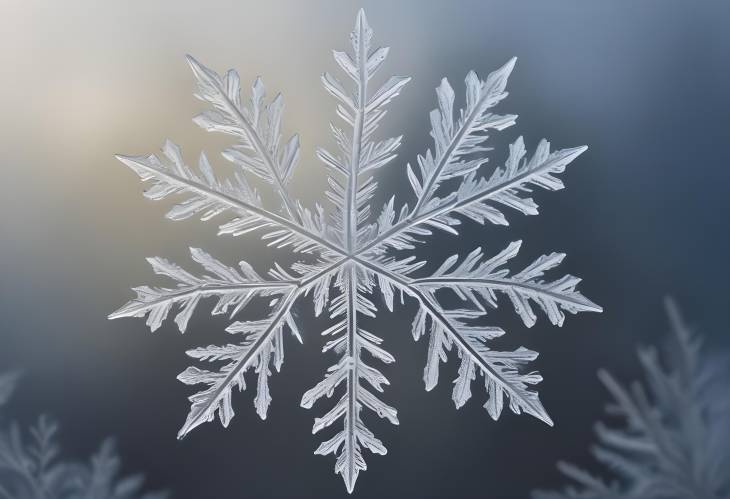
x=350 y=253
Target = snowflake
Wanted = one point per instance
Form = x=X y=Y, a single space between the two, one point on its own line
x=675 y=440
x=348 y=256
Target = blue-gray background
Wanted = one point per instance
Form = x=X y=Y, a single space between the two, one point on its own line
x=644 y=83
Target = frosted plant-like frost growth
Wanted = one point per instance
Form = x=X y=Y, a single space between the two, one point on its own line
x=674 y=441
x=353 y=254
x=31 y=466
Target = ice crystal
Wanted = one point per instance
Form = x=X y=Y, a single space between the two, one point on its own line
x=31 y=466
x=352 y=254
x=674 y=442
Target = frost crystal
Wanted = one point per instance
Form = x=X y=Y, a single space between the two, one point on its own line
x=352 y=255
x=674 y=442
x=31 y=468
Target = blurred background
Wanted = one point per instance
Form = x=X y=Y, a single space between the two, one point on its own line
x=644 y=84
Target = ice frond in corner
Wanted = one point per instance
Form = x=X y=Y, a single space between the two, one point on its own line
x=32 y=466
x=348 y=255
x=671 y=437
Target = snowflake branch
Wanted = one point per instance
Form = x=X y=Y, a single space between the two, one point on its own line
x=227 y=100
x=234 y=289
x=506 y=379
x=261 y=342
x=212 y=197
x=485 y=277
x=474 y=198
x=217 y=397
x=500 y=369
x=359 y=154
x=364 y=33
x=505 y=285
x=349 y=340
x=449 y=144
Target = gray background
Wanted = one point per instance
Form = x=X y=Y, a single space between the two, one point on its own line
x=644 y=83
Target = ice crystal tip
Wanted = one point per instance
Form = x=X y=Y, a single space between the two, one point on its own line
x=127 y=160
x=193 y=62
x=361 y=19
x=355 y=250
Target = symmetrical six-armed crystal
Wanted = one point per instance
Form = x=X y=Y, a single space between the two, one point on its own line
x=348 y=256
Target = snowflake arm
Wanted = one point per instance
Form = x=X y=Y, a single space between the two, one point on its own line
x=476 y=278
x=257 y=128
x=207 y=196
x=261 y=341
x=359 y=379
x=453 y=140
x=501 y=370
x=358 y=154
x=476 y=198
x=261 y=345
x=233 y=288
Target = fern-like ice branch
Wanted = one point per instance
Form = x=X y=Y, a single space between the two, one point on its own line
x=478 y=199
x=453 y=140
x=233 y=288
x=257 y=128
x=358 y=154
x=502 y=371
x=207 y=196
x=476 y=281
x=261 y=345
x=350 y=339
x=261 y=342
